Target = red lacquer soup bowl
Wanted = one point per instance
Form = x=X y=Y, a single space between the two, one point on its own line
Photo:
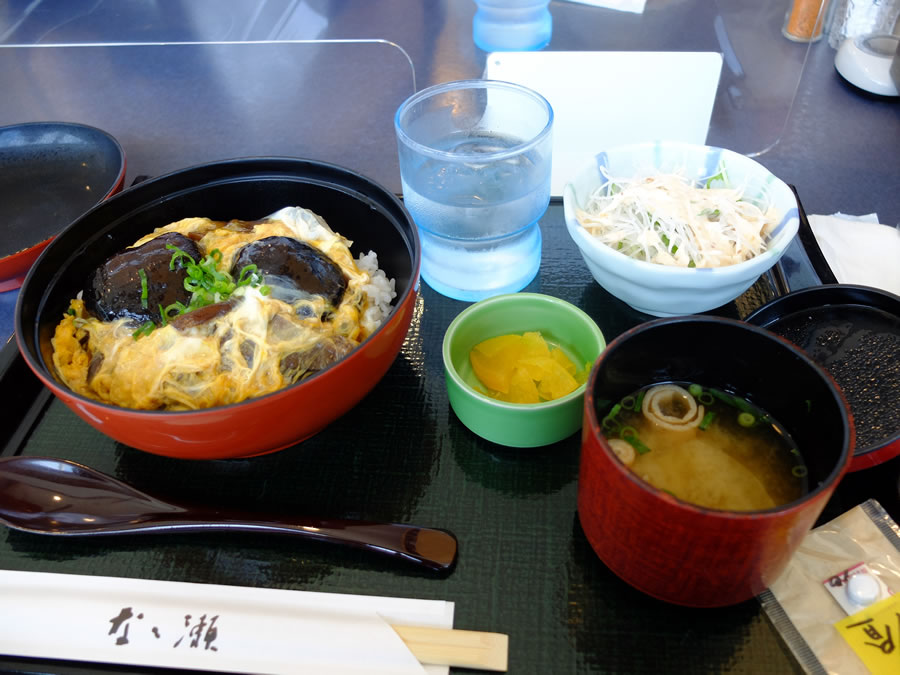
x=244 y=189
x=674 y=550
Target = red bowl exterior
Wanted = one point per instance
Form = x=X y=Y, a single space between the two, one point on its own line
x=13 y=268
x=876 y=455
x=673 y=550
x=256 y=426
x=111 y=178
x=690 y=556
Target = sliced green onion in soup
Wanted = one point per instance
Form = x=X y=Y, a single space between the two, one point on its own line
x=746 y=419
x=629 y=434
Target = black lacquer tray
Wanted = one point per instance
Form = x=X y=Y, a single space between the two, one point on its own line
x=525 y=567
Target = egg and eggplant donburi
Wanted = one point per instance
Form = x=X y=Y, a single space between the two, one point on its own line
x=202 y=313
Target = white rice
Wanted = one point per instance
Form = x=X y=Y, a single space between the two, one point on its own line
x=380 y=289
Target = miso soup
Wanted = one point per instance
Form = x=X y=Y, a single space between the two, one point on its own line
x=706 y=446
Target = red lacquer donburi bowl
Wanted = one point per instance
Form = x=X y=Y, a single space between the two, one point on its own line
x=676 y=551
x=246 y=189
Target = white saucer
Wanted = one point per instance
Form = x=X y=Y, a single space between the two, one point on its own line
x=865 y=61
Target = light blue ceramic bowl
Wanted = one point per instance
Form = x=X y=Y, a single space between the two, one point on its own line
x=661 y=290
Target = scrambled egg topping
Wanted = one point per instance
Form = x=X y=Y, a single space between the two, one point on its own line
x=264 y=343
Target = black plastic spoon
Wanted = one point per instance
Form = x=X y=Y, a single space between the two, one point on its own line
x=44 y=495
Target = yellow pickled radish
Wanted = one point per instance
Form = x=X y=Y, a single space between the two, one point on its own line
x=494 y=361
x=564 y=361
x=524 y=368
x=557 y=384
x=538 y=367
x=497 y=346
x=522 y=388
x=534 y=345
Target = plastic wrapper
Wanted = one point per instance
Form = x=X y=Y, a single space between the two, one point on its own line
x=812 y=607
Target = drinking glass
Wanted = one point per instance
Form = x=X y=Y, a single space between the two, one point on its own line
x=512 y=25
x=475 y=161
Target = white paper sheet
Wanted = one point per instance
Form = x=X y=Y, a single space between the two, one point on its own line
x=604 y=99
x=859 y=250
x=210 y=627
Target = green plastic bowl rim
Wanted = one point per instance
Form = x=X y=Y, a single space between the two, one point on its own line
x=517 y=297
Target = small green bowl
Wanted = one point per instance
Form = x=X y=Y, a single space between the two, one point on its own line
x=518 y=425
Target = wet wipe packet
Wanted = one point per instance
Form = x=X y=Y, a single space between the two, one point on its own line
x=837 y=604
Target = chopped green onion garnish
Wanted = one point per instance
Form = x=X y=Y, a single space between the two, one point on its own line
x=177 y=255
x=695 y=390
x=640 y=401
x=746 y=419
x=722 y=396
x=629 y=434
x=610 y=424
x=208 y=284
x=247 y=275
x=707 y=420
x=145 y=329
x=734 y=401
x=637 y=444
x=143 y=275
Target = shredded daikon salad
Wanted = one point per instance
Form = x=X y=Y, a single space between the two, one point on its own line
x=667 y=219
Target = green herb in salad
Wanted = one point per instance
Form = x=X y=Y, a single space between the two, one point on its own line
x=667 y=219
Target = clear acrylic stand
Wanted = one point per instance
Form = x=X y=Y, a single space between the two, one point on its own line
x=174 y=105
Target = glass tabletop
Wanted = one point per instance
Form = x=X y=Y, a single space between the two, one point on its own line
x=175 y=105
x=221 y=80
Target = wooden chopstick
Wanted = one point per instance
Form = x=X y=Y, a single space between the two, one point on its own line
x=459 y=648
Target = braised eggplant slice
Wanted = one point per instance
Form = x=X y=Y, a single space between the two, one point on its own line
x=202 y=315
x=116 y=289
x=297 y=365
x=310 y=270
